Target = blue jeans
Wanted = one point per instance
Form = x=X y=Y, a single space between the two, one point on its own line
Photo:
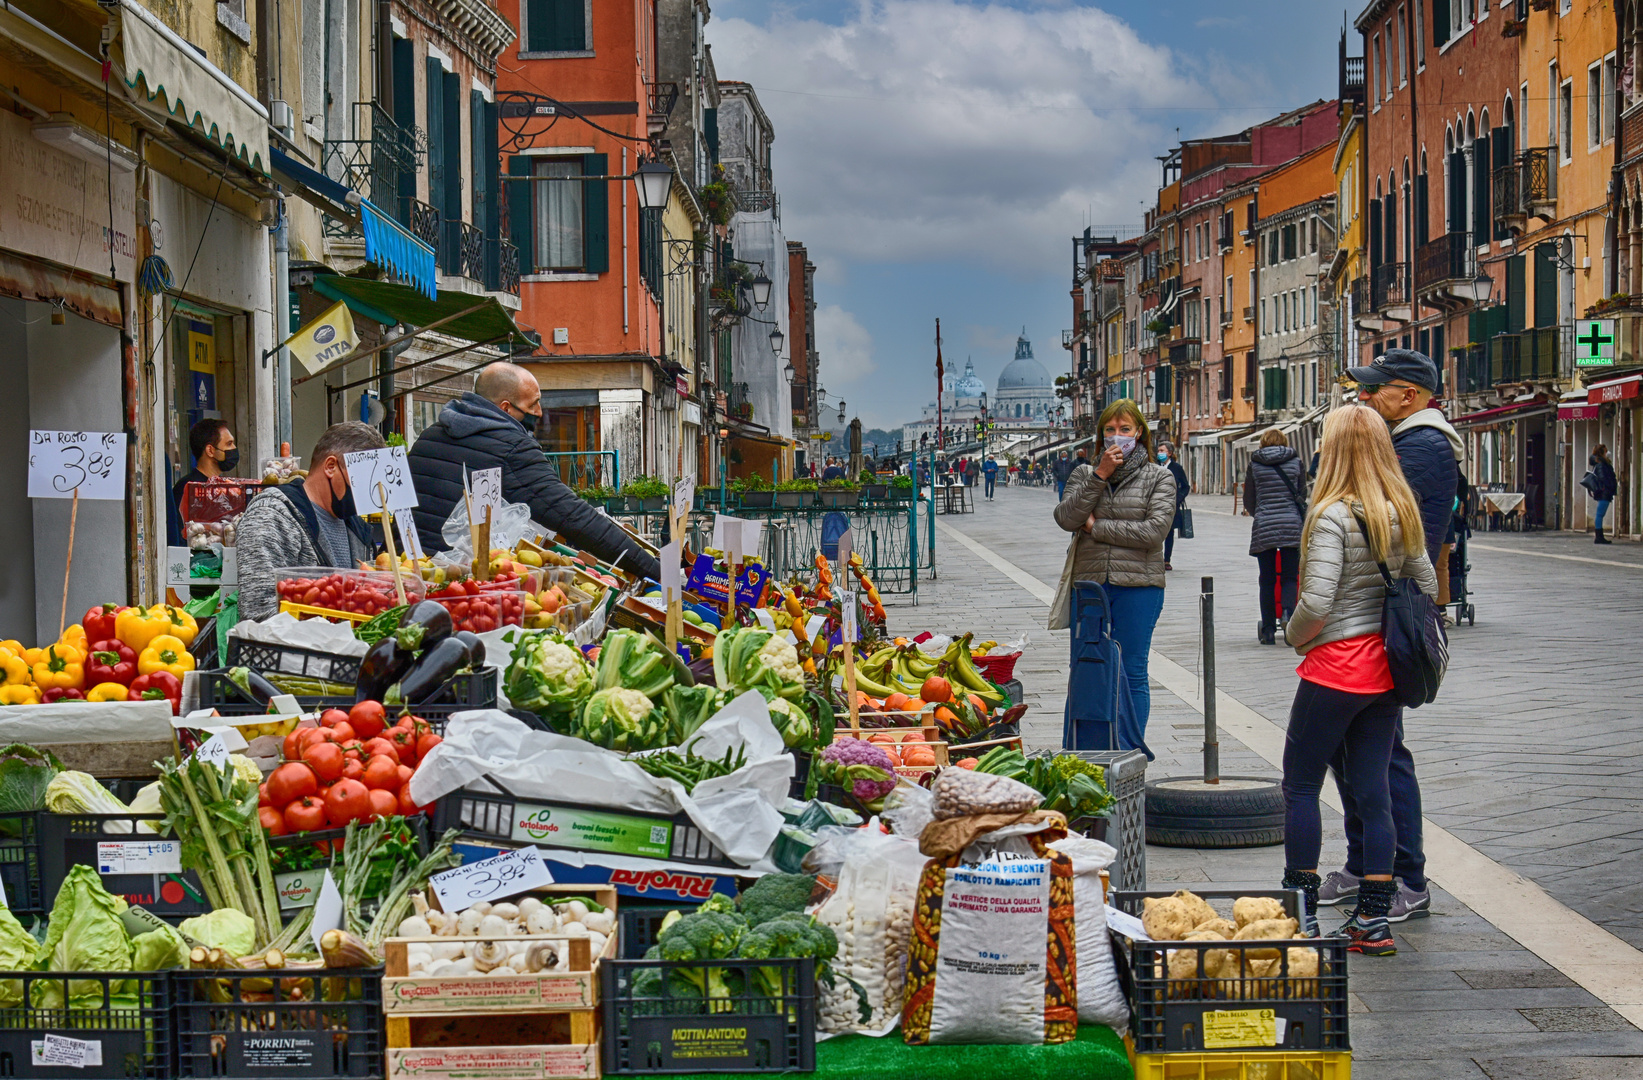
x=1135 y=611
x=1060 y=489
x=990 y=478
x=1602 y=510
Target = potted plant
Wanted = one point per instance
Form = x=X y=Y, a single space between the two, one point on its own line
x=598 y=494
x=758 y=491
x=838 y=493
x=796 y=492
x=901 y=487
x=650 y=493
x=871 y=487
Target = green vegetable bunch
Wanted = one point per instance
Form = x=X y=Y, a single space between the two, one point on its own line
x=746 y=658
x=1074 y=787
x=688 y=769
x=548 y=675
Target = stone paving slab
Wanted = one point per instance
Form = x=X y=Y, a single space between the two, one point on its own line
x=1457 y=1000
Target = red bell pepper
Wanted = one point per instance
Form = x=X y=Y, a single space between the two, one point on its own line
x=99 y=622
x=155 y=686
x=111 y=660
x=63 y=693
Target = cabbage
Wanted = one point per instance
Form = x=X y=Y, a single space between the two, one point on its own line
x=158 y=950
x=16 y=954
x=85 y=934
x=80 y=793
x=25 y=773
x=225 y=928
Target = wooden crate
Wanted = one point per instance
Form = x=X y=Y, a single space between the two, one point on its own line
x=520 y=1027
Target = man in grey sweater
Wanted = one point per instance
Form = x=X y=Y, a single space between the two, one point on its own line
x=310 y=522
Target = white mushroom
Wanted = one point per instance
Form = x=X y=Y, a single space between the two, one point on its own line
x=448 y=950
x=483 y=907
x=574 y=929
x=596 y=942
x=436 y=920
x=542 y=921
x=464 y=966
x=420 y=903
x=505 y=969
x=505 y=911
x=576 y=910
x=599 y=921
x=489 y=955
x=540 y=956
x=442 y=967
x=415 y=926
x=467 y=924
x=494 y=926
x=529 y=905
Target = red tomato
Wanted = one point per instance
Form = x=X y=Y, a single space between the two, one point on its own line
x=406 y=806
x=382 y=746
x=290 y=782
x=368 y=719
x=425 y=744
x=405 y=772
x=262 y=794
x=332 y=717
x=472 y=587
x=383 y=804
x=382 y=772
x=305 y=814
x=419 y=727
x=348 y=800
x=326 y=759
x=404 y=740
x=342 y=730
x=273 y=822
x=353 y=769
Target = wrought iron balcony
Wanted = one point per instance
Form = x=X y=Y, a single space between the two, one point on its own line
x=501 y=267
x=1448 y=260
x=754 y=202
x=1361 y=303
x=423 y=222
x=463 y=252
x=738 y=403
x=1389 y=287
x=663 y=96
x=374 y=162
x=1351 y=75
x=1527 y=187
x=1186 y=354
x=1223 y=237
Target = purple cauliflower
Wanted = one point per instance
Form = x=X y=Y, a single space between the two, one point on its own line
x=867 y=768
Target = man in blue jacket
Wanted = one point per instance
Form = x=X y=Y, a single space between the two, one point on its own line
x=1400 y=385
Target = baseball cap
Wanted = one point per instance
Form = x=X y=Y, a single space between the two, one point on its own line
x=1403 y=365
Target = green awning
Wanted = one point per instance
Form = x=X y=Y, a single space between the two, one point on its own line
x=388 y=303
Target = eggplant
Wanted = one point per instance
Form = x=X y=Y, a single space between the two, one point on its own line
x=383 y=666
x=426 y=624
x=476 y=647
x=433 y=670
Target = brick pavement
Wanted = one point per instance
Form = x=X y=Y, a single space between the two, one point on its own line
x=1461 y=999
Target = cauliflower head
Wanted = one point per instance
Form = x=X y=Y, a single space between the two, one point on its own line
x=780 y=659
x=791 y=720
x=548 y=675
x=624 y=720
x=866 y=768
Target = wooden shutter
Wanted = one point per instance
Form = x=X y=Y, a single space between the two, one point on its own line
x=1546 y=284
x=595 y=215
x=1481 y=226
x=395 y=196
x=1375 y=234
x=1420 y=210
x=556 y=26
x=521 y=219
x=1500 y=159
x=1390 y=220
x=481 y=162
x=436 y=133
x=1440 y=22
x=1515 y=293
x=710 y=132
x=1455 y=211
x=450 y=198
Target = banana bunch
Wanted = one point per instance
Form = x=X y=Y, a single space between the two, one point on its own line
x=277 y=728
x=903 y=669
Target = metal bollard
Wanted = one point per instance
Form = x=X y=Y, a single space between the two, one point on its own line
x=1206 y=616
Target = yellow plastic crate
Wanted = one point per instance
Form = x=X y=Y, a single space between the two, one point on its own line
x=1246 y=1065
x=306 y=610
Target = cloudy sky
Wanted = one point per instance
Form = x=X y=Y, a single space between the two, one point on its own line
x=937 y=156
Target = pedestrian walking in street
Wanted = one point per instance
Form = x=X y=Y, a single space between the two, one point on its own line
x=1600 y=482
x=1183 y=488
x=1399 y=385
x=1062 y=469
x=1364 y=518
x=1119 y=511
x=990 y=471
x=1275 y=492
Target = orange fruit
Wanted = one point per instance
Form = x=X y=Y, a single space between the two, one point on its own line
x=936 y=688
x=897 y=701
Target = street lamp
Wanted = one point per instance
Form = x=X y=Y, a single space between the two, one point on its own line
x=1478 y=289
x=761 y=290
x=654 y=180
x=776 y=340
x=789 y=373
x=841 y=410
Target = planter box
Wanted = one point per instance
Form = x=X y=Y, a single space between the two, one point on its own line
x=876 y=491
x=758 y=498
x=653 y=506
x=794 y=499
x=835 y=499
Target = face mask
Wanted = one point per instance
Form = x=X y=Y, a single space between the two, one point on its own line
x=230 y=461
x=1125 y=443
x=1162 y=457
x=342 y=506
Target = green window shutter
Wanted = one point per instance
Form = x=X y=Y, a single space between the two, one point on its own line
x=556 y=26
x=436 y=133
x=520 y=218
x=595 y=215
x=450 y=198
x=481 y=162
x=710 y=132
x=1440 y=22
x=1514 y=293
x=1546 y=284
x=400 y=187
x=1420 y=210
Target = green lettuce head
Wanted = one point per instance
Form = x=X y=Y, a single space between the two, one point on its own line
x=549 y=676
x=158 y=950
x=225 y=928
x=623 y=720
x=17 y=948
x=85 y=934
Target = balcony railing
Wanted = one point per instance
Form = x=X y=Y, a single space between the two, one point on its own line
x=1223 y=238
x=663 y=96
x=463 y=251
x=1389 y=286
x=374 y=163
x=1186 y=354
x=1527 y=187
x=755 y=202
x=501 y=267
x=1449 y=258
x=1351 y=75
x=1249 y=312
x=1361 y=303
x=738 y=404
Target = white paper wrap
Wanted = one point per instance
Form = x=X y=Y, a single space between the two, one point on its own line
x=87 y=721
x=740 y=813
x=320 y=634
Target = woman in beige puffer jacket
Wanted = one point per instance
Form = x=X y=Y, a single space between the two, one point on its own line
x=1119 y=510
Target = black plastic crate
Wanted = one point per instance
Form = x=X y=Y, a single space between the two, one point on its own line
x=512 y=821
x=1314 y=1010
x=268 y=657
x=469 y=690
x=747 y=1032
x=72 y=839
x=244 y=1024
x=20 y=869
x=801 y=774
x=125 y=1016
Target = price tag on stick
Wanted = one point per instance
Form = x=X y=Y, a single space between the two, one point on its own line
x=373 y=472
x=90 y=463
x=486 y=485
x=508 y=874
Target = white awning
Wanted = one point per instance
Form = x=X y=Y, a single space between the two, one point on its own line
x=172 y=77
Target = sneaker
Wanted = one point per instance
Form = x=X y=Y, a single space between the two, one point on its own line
x=1371 y=937
x=1338 y=886
x=1409 y=904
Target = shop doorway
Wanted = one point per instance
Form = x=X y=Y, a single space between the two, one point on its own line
x=209 y=380
x=1534 y=478
x=570 y=437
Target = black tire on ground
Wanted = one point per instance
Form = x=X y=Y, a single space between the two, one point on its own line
x=1242 y=811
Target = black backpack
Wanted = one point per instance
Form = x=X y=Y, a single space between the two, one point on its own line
x=1417 y=648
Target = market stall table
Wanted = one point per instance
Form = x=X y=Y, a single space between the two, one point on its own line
x=1506 y=504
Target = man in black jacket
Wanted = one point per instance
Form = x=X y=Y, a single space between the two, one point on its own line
x=1400 y=385
x=494 y=426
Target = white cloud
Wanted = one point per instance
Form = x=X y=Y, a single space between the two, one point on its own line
x=936 y=129
x=845 y=348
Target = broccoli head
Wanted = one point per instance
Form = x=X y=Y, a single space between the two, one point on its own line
x=775 y=895
x=719 y=902
x=788 y=937
x=703 y=935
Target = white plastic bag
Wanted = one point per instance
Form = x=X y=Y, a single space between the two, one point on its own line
x=1100 y=997
x=871 y=911
x=510 y=524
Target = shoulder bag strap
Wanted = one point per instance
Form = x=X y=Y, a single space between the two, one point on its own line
x=1300 y=503
x=1386 y=575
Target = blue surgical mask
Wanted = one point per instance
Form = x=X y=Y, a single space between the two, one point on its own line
x=1162 y=457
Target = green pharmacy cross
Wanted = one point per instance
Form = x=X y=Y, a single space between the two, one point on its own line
x=1594 y=342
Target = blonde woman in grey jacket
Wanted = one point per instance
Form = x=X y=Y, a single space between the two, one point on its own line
x=1362 y=514
x=1119 y=510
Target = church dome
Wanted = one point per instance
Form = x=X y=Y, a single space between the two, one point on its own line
x=1023 y=373
x=970 y=385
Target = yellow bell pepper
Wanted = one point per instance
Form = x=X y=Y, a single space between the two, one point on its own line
x=108 y=691
x=137 y=627
x=32 y=657
x=14 y=645
x=18 y=694
x=165 y=653
x=14 y=670
x=63 y=666
x=180 y=624
x=76 y=636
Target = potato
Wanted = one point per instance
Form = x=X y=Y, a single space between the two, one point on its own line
x=1220 y=926
x=1198 y=909
x=1303 y=973
x=1248 y=909
x=1166 y=919
x=1266 y=930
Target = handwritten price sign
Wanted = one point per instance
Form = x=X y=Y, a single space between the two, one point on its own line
x=387 y=469
x=94 y=462
x=508 y=874
x=486 y=486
